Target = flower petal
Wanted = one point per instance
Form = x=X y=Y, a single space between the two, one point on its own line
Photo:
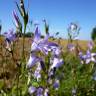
x=32 y=61
x=31 y=89
x=37 y=35
x=57 y=63
x=88 y=61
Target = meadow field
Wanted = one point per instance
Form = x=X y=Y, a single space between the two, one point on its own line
x=10 y=68
x=35 y=65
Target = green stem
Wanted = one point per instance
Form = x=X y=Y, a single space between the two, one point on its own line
x=23 y=53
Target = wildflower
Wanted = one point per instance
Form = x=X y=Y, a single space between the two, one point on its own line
x=57 y=62
x=9 y=38
x=55 y=49
x=31 y=89
x=39 y=91
x=88 y=57
x=37 y=43
x=42 y=45
x=37 y=74
x=32 y=61
x=56 y=84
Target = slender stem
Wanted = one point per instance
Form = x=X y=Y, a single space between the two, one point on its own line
x=23 y=53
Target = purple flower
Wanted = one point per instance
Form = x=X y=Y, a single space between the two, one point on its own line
x=56 y=84
x=39 y=91
x=55 y=49
x=88 y=57
x=38 y=44
x=17 y=21
x=31 y=89
x=42 y=45
x=32 y=61
x=9 y=38
x=57 y=62
x=37 y=74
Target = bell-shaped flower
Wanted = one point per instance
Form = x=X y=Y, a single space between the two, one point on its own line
x=32 y=61
x=40 y=44
x=31 y=90
x=36 y=41
x=44 y=45
x=55 y=49
x=56 y=63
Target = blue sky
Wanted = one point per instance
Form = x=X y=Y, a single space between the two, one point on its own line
x=59 y=13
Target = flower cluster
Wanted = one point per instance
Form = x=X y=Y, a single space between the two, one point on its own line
x=46 y=48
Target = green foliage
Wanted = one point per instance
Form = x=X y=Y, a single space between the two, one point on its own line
x=28 y=34
x=93 y=34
